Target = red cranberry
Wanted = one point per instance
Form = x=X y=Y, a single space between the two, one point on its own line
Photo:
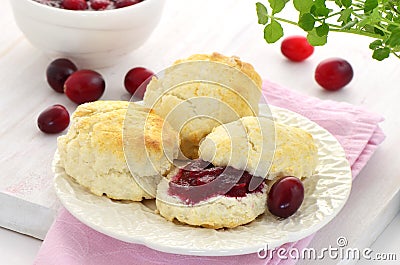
x=285 y=196
x=135 y=78
x=124 y=3
x=296 y=48
x=58 y=71
x=84 y=86
x=54 y=119
x=74 y=4
x=99 y=4
x=333 y=74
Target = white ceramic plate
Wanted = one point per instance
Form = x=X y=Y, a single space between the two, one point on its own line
x=326 y=193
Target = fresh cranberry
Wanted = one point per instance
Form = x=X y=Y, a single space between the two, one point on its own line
x=200 y=180
x=285 y=196
x=58 y=71
x=124 y=3
x=99 y=4
x=333 y=74
x=54 y=119
x=296 y=48
x=84 y=86
x=74 y=4
x=135 y=78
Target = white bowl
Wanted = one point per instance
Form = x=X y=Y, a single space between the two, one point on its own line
x=92 y=39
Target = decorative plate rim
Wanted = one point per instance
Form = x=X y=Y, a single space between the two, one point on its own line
x=244 y=240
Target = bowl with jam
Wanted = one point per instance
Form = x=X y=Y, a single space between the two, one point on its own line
x=93 y=33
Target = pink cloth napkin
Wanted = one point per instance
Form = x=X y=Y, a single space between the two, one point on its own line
x=70 y=242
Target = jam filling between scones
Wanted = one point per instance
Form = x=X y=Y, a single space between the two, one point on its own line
x=200 y=180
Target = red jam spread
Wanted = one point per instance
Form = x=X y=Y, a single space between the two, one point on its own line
x=200 y=180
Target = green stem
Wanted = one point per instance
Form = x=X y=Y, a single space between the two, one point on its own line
x=284 y=20
x=333 y=28
x=395 y=54
x=334 y=14
x=359 y=32
x=394 y=8
x=375 y=25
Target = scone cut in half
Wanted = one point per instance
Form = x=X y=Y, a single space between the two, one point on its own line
x=227 y=186
x=103 y=137
x=201 y=92
x=262 y=147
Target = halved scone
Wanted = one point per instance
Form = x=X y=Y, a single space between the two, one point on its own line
x=201 y=92
x=228 y=185
x=262 y=147
x=214 y=197
x=92 y=151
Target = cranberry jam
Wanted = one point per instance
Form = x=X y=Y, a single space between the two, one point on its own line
x=88 y=4
x=200 y=180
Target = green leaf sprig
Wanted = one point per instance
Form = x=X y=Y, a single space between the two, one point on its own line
x=378 y=19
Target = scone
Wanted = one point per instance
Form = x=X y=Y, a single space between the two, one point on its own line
x=211 y=197
x=262 y=147
x=92 y=152
x=201 y=92
x=230 y=189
